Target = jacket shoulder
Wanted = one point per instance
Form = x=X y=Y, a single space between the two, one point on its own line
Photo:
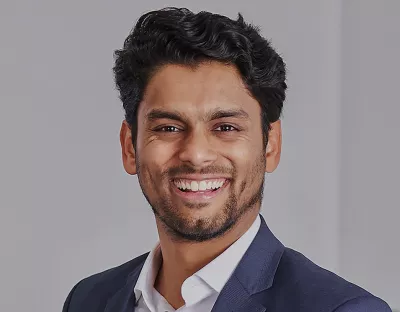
x=94 y=291
x=310 y=287
x=364 y=304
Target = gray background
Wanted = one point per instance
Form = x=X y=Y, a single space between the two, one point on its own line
x=68 y=209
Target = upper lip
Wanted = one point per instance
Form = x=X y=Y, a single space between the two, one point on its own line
x=200 y=177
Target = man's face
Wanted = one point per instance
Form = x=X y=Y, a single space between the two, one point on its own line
x=199 y=154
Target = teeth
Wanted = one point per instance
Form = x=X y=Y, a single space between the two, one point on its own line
x=202 y=186
x=195 y=186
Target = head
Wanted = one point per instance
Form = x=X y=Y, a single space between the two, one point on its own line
x=202 y=95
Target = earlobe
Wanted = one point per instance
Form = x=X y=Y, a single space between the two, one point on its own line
x=128 y=152
x=273 y=149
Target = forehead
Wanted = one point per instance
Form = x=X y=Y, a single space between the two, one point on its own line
x=198 y=90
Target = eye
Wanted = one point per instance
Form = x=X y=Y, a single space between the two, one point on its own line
x=167 y=129
x=226 y=128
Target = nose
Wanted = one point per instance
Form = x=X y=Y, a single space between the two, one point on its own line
x=196 y=150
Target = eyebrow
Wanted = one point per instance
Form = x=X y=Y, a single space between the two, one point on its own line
x=225 y=113
x=215 y=114
x=163 y=114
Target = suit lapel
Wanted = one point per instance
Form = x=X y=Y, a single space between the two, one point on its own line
x=254 y=273
x=124 y=300
x=234 y=298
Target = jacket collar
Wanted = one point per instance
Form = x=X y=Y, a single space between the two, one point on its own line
x=125 y=300
x=257 y=268
x=254 y=273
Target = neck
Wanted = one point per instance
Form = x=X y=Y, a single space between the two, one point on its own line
x=181 y=259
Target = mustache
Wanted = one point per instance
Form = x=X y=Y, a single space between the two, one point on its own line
x=186 y=169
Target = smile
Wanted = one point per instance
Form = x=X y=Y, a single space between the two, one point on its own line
x=199 y=186
x=199 y=189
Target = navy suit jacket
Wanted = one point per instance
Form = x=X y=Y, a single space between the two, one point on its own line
x=269 y=278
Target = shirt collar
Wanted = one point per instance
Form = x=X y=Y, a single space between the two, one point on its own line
x=145 y=283
x=215 y=274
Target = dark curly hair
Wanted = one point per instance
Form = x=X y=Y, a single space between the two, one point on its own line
x=179 y=36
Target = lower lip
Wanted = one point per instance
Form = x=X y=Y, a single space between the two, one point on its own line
x=199 y=195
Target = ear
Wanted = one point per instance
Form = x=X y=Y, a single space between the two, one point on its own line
x=128 y=152
x=273 y=150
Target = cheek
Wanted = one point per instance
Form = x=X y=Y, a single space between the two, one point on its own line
x=243 y=159
x=149 y=179
x=157 y=153
x=250 y=169
x=244 y=149
x=154 y=159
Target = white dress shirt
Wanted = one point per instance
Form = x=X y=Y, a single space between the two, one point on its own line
x=200 y=290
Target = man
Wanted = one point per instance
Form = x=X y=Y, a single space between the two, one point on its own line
x=203 y=96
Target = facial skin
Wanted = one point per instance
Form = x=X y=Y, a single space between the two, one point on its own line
x=199 y=124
